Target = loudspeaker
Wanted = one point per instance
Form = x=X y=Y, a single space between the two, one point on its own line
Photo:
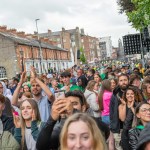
x=78 y=54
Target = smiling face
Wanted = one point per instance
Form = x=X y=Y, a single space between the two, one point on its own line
x=144 y=113
x=79 y=136
x=123 y=82
x=26 y=110
x=36 y=89
x=130 y=96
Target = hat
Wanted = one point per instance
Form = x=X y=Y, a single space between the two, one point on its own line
x=2 y=98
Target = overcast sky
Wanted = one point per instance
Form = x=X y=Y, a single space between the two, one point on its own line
x=99 y=18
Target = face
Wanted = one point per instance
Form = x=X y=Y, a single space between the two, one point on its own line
x=148 y=88
x=96 y=87
x=113 y=84
x=79 y=73
x=2 y=106
x=26 y=88
x=123 y=82
x=136 y=83
x=26 y=110
x=75 y=102
x=79 y=82
x=144 y=113
x=36 y=89
x=54 y=83
x=79 y=136
x=97 y=78
x=1 y=88
x=66 y=80
x=130 y=96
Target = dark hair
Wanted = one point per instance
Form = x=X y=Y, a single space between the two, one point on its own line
x=106 y=85
x=79 y=94
x=123 y=74
x=137 y=109
x=2 y=98
x=65 y=74
x=137 y=94
x=133 y=77
x=92 y=71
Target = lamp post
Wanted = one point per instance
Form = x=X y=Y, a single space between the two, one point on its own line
x=40 y=50
x=21 y=54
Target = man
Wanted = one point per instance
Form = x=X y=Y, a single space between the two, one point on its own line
x=67 y=83
x=115 y=123
x=7 y=139
x=74 y=101
x=37 y=86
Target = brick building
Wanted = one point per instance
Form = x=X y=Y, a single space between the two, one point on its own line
x=39 y=52
x=73 y=40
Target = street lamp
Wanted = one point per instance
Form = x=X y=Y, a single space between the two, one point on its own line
x=21 y=54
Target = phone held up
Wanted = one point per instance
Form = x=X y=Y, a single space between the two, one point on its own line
x=59 y=94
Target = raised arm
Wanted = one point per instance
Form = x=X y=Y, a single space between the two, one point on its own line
x=14 y=100
x=122 y=110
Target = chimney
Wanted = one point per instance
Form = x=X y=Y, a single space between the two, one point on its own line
x=3 y=28
x=14 y=31
x=49 y=31
x=63 y=29
x=21 y=34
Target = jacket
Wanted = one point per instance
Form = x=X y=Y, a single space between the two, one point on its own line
x=114 y=114
x=133 y=137
x=7 y=139
x=91 y=99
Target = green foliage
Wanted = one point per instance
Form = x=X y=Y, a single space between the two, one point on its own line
x=82 y=56
x=139 y=15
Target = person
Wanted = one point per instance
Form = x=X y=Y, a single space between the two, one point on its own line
x=7 y=139
x=104 y=100
x=5 y=91
x=67 y=84
x=135 y=80
x=80 y=75
x=115 y=123
x=90 y=74
x=114 y=83
x=86 y=136
x=26 y=88
x=144 y=139
x=54 y=85
x=91 y=95
x=126 y=112
x=146 y=90
x=98 y=79
x=28 y=127
x=142 y=118
x=73 y=102
x=44 y=102
x=15 y=82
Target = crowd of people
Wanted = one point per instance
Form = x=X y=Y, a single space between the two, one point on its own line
x=77 y=109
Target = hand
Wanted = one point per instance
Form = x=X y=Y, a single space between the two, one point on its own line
x=33 y=116
x=122 y=101
x=131 y=105
x=67 y=88
x=33 y=73
x=17 y=121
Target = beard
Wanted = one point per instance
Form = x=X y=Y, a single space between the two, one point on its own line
x=123 y=87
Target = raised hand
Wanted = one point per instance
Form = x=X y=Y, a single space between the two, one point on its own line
x=17 y=121
x=122 y=101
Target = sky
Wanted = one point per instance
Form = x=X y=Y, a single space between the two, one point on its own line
x=99 y=18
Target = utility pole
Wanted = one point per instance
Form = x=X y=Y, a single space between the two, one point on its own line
x=40 y=49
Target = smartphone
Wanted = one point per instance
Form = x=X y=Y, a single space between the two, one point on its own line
x=59 y=93
x=16 y=113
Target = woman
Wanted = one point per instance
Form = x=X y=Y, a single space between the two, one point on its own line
x=92 y=97
x=104 y=100
x=86 y=136
x=98 y=79
x=27 y=129
x=142 y=113
x=126 y=112
x=146 y=91
x=113 y=83
x=26 y=88
x=82 y=83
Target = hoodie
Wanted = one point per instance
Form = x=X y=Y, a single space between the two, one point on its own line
x=91 y=99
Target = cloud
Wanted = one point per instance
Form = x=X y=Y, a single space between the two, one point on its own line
x=97 y=17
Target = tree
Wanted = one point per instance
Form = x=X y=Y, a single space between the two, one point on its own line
x=82 y=55
x=137 y=11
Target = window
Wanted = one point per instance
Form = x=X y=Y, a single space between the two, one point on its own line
x=2 y=72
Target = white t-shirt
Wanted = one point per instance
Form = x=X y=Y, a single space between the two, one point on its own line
x=30 y=142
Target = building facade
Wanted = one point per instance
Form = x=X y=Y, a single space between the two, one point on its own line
x=19 y=50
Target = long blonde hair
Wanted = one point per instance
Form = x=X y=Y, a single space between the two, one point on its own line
x=34 y=106
x=98 y=140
